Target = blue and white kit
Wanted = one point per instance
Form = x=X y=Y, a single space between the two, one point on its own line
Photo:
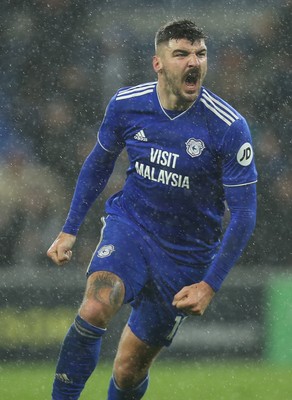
x=163 y=230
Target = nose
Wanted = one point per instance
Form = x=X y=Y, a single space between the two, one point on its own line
x=193 y=60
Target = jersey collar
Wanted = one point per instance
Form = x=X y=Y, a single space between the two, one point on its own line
x=170 y=115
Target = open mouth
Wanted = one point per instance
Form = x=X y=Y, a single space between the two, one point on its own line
x=192 y=79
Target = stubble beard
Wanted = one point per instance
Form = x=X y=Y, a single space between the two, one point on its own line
x=174 y=87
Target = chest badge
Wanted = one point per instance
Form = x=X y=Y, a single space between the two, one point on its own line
x=194 y=147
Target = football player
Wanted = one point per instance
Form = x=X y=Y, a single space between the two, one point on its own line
x=161 y=247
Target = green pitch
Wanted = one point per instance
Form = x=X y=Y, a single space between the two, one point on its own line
x=168 y=381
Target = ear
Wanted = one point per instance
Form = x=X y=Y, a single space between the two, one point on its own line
x=157 y=64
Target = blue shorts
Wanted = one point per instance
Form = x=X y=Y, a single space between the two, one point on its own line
x=150 y=276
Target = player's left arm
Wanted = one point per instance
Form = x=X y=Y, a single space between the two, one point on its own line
x=194 y=299
x=242 y=203
x=239 y=178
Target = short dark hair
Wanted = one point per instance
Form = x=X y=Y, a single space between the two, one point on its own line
x=180 y=29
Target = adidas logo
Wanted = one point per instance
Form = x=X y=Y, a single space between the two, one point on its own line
x=141 y=136
x=63 y=378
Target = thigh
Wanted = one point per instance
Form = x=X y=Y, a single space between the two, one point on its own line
x=133 y=359
x=121 y=251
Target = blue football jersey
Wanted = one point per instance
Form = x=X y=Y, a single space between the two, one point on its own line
x=179 y=164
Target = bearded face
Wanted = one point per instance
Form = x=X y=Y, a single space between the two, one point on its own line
x=181 y=67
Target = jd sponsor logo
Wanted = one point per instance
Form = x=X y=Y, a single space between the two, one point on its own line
x=245 y=154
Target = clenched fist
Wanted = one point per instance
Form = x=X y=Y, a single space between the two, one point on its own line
x=194 y=299
x=61 y=250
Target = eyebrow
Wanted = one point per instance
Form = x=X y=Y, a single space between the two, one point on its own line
x=188 y=51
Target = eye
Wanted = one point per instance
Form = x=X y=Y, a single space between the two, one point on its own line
x=202 y=53
x=181 y=54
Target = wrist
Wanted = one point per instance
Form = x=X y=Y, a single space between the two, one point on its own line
x=213 y=285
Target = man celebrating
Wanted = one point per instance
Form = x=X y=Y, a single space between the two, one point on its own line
x=161 y=247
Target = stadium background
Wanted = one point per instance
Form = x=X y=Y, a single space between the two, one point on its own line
x=61 y=61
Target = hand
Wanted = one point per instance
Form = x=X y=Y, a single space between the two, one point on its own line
x=60 y=251
x=194 y=299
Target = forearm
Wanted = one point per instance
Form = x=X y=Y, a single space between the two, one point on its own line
x=92 y=179
x=242 y=204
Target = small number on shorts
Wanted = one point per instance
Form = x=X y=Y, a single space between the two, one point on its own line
x=178 y=320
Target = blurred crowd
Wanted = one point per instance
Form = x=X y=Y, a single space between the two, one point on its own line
x=62 y=60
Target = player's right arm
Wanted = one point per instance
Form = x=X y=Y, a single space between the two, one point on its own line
x=92 y=179
x=61 y=249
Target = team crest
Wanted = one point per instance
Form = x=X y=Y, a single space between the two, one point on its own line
x=194 y=147
x=105 y=251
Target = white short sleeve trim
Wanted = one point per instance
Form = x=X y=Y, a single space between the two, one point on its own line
x=241 y=184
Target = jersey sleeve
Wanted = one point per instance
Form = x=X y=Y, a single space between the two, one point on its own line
x=238 y=156
x=242 y=202
x=91 y=181
x=96 y=169
x=110 y=132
